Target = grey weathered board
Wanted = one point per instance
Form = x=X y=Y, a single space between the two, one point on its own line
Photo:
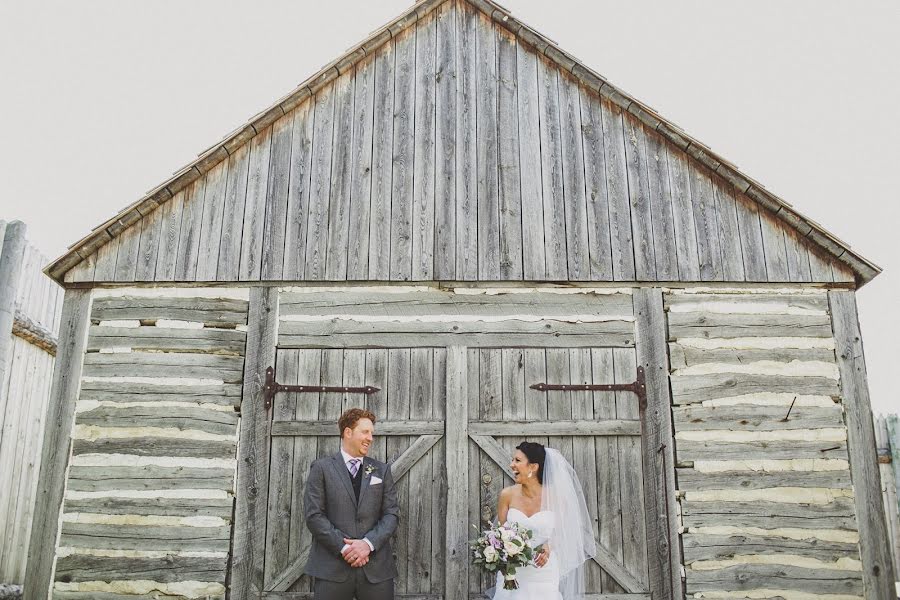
x=456 y=150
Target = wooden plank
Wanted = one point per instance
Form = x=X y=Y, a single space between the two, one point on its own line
x=421 y=488
x=189 y=237
x=83 y=567
x=689 y=479
x=820 y=266
x=445 y=144
x=105 y=269
x=148 y=248
x=96 y=479
x=255 y=206
x=337 y=240
x=776 y=577
x=683 y=216
x=556 y=427
x=171 y=213
x=487 y=150
x=689 y=451
x=709 y=246
x=457 y=564
x=690 y=389
x=721 y=547
x=197 y=309
x=774 y=247
x=756 y=418
x=742 y=302
x=388 y=428
x=412 y=455
x=147 y=415
x=320 y=184
x=639 y=199
x=712 y=325
x=211 y=227
x=126 y=258
x=56 y=444
x=664 y=551
x=874 y=543
x=772 y=515
x=475 y=340
x=225 y=341
x=144 y=537
x=576 y=213
x=797 y=255
x=276 y=200
x=439 y=477
x=361 y=170
x=298 y=191
x=466 y=145
x=495 y=451
x=423 y=213
x=752 y=247
x=508 y=158
x=233 y=215
x=156 y=446
x=174 y=507
x=533 y=249
x=252 y=477
x=599 y=249
x=685 y=356
x=403 y=161
x=163 y=364
x=665 y=248
x=141 y=392
x=729 y=234
x=382 y=149
x=551 y=172
x=623 y=259
x=398 y=409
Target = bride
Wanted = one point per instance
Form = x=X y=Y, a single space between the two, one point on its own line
x=547 y=498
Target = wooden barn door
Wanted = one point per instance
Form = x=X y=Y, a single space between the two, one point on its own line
x=409 y=434
x=599 y=432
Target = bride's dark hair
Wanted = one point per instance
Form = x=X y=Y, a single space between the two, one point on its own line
x=535 y=453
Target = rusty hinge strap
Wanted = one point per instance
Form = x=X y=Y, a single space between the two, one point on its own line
x=272 y=387
x=638 y=386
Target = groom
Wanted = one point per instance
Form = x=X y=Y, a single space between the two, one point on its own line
x=351 y=509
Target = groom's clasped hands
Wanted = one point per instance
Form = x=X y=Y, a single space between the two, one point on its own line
x=356 y=552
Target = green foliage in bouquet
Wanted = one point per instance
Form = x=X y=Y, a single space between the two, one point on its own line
x=504 y=548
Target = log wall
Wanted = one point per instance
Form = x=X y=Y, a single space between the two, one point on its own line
x=150 y=485
x=764 y=481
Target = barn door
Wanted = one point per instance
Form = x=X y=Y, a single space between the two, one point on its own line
x=409 y=434
x=599 y=432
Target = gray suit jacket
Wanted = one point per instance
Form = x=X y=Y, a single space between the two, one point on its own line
x=332 y=514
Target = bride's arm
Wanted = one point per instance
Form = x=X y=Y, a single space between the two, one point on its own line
x=503 y=505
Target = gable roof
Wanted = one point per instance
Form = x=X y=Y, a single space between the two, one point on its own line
x=863 y=270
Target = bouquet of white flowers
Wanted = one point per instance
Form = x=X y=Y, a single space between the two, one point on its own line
x=504 y=548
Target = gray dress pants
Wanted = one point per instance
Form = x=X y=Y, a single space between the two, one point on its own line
x=356 y=586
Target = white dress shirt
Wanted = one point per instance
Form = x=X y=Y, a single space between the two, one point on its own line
x=347 y=459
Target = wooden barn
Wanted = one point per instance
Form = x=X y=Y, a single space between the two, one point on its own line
x=461 y=227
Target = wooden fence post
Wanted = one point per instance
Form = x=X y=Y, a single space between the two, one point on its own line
x=878 y=572
x=73 y=331
x=12 y=252
x=888 y=487
x=249 y=541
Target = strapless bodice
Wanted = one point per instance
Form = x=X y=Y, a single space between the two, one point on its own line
x=540 y=523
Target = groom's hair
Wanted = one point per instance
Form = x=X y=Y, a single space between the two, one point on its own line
x=352 y=416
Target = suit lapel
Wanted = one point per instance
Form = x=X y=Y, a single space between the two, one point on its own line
x=364 y=483
x=344 y=475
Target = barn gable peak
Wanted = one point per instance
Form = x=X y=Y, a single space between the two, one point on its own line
x=805 y=247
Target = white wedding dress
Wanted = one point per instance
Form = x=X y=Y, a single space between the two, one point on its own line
x=535 y=583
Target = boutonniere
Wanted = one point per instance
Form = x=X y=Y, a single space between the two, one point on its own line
x=369 y=469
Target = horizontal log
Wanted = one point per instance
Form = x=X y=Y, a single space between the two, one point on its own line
x=418 y=596
x=34 y=333
x=60 y=595
x=116 y=391
x=330 y=428
x=169 y=507
x=555 y=428
x=689 y=451
x=713 y=325
x=722 y=547
x=167 y=339
x=690 y=479
x=138 y=537
x=200 y=310
x=839 y=514
x=542 y=327
x=697 y=388
x=164 y=365
x=756 y=418
x=681 y=356
x=775 y=577
x=155 y=446
x=747 y=302
x=180 y=417
x=580 y=339
x=83 y=567
x=150 y=477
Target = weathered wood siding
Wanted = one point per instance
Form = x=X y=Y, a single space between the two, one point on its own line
x=455 y=151
x=887 y=436
x=767 y=501
x=31 y=342
x=150 y=483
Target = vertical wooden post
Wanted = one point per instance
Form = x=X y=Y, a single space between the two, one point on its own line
x=658 y=438
x=457 y=443
x=73 y=331
x=888 y=488
x=249 y=541
x=878 y=572
x=12 y=252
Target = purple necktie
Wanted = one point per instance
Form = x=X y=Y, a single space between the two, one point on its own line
x=354 y=466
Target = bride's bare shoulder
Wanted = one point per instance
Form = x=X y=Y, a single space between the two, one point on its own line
x=508 y=492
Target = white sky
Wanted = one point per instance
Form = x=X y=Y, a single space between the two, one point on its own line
x=104 y=99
